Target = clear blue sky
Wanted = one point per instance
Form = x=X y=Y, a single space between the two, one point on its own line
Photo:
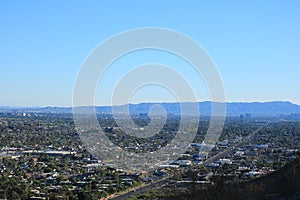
x=255 y=44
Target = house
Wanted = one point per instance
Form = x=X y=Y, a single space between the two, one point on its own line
x=225 y=161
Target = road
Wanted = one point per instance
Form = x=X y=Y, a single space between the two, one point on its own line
x=142 y=189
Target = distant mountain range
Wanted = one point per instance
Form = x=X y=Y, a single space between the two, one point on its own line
x=275 y=108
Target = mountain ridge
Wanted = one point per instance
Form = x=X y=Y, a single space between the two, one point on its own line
x=272 y=108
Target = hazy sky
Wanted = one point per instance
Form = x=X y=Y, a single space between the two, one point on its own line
x=254 y=44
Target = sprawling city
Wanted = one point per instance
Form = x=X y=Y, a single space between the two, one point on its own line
x=42 y=157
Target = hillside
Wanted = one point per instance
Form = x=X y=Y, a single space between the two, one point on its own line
x=282 y=184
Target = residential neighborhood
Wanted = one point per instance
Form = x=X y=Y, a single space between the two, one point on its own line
x=42 y=157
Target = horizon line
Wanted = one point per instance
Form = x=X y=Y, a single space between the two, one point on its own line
x=149 y=102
